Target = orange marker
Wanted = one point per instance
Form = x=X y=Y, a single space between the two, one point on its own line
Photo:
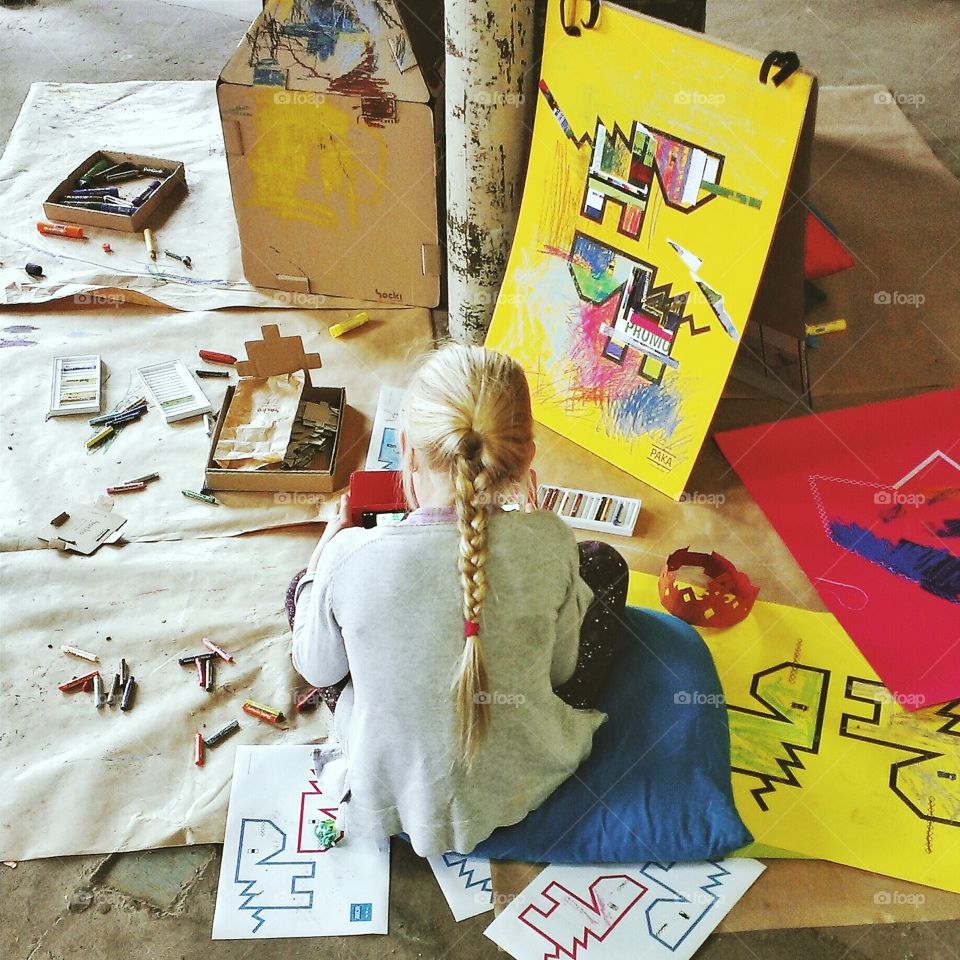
x=60 y=230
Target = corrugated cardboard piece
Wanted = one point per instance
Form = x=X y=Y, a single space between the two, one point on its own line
x=330 y=145
x=269 y=357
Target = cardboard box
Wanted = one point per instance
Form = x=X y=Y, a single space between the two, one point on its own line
x=172 y=187
x=269 y=357
x=329 y=139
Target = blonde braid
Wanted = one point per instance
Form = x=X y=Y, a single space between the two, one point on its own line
x=470 y=682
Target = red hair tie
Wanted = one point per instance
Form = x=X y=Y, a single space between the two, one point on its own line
x=470 y=628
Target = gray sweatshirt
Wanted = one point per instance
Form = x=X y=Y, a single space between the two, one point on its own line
x=385 y=605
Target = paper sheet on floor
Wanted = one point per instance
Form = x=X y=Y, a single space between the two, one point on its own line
x=81 y=780
x=464 y=882
x=49 y=466
x=649 y=910
x=62 y=123
x=825 y=762
x=276 y=878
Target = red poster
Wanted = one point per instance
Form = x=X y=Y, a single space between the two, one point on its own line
x=868 y=501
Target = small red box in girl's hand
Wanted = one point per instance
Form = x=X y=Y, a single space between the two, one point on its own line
x=376 y=498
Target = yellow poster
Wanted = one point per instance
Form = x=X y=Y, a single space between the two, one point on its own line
x=657 y=173
x=825 y=761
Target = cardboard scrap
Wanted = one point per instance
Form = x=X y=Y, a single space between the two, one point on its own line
x=85 y=528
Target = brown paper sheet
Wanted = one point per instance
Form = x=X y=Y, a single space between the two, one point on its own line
x=897 y=209
x=60 y=124
x=82 y=780
x=46 y=466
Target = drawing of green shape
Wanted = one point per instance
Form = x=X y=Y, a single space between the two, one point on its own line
x=928 y=779
x=766 y=742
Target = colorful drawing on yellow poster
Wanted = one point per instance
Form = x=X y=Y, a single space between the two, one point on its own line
x=825 y=761
x=657 y=173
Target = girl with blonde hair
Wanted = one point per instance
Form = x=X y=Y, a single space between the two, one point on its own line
x=463 y=649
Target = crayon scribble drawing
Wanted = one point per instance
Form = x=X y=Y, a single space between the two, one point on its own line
x=631 y=274
x=649 y=910
x=825 y=760
x=867 y=499
x=279 y=877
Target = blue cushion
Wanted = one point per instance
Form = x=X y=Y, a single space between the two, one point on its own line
x=656 y=785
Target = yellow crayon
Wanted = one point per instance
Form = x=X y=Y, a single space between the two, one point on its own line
x=831 y=326
x=338 y=329
x=151 y=243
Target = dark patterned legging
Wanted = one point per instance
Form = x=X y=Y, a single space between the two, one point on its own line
x=605 y=572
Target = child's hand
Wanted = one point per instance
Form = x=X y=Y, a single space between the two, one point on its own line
x=340 y=522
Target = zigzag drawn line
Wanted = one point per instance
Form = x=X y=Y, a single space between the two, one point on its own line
x=461 y=861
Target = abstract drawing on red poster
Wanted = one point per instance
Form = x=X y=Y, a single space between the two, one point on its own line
x=867 y=499
x=611 y=912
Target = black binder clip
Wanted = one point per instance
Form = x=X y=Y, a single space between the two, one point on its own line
x=786 y=61
x=574 y=31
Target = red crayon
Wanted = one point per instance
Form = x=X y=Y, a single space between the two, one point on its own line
x=211 y=357
x=198 y=750
x=78 y=683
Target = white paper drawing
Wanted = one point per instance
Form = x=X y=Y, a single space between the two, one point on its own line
x=465 y=883
x=384 y=450
x=615 y=912
x=279 y=877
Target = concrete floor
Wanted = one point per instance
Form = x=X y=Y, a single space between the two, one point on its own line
x=160 y=903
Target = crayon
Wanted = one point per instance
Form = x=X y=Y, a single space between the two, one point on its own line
x=60 y=230
x=185 y=260
x=82 y=654
x=154 y=172
x=217 y=738
x=138 y=200
x=34 y=269
x=150 y=243
x=209 y=671
x=209 y=374
x=77 y=683
x=202 y=497
x=114 y=690
x=212 y=357
x=831 y=326
x=124 y=673
x=94 y=192
x=146 y=478
x=307 y=700
x=201 y=676
x=219 y=651
x=120 y=176
x=126 y=701
x=126 y=488
x=97 y=439
x=99 y=697
x=198 y=749
x=96 y=170
x=339 y=329
x=192 y=658
x=262 y=711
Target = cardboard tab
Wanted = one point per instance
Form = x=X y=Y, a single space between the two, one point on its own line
x=232 y=138
x=274 y=355
x=431 y=260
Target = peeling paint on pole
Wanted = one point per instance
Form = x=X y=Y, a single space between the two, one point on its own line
x=489 y=109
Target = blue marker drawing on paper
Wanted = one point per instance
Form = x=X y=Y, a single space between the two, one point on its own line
x=270 y=883
x=469 y=871
x=389 y=453
x=671 y=919
x=362 y=912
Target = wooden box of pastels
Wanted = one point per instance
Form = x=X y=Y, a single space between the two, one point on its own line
x=120 y=191
x=277 y=431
